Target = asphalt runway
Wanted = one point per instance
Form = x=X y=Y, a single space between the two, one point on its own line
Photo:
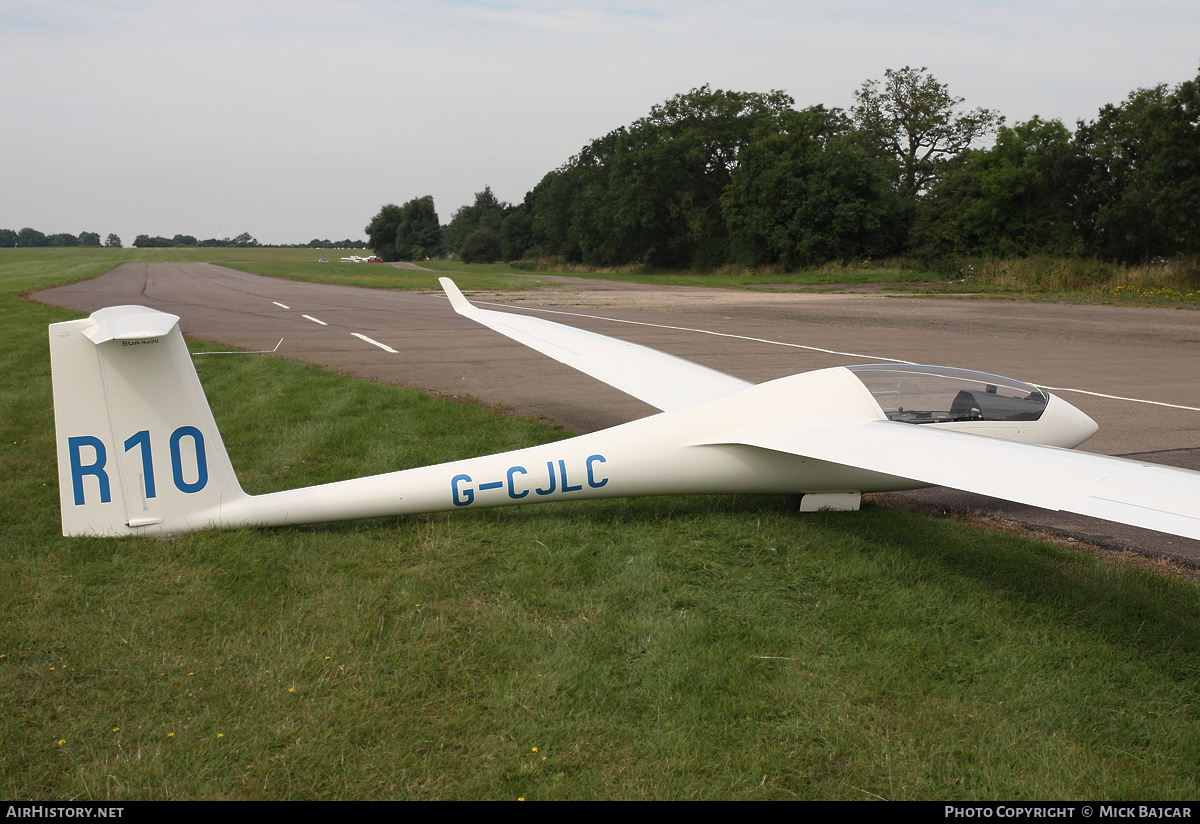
x=1138 y=364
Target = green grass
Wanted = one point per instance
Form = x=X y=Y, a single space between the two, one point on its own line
x=39 y=267
x=1040 y=278
x=701 y=647
x=1156 y=283
x=888 y=272
x=379 y=275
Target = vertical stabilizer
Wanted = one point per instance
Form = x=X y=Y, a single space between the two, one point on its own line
x=138 y=449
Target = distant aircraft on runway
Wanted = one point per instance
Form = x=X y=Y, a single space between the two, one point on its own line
x=140 y=454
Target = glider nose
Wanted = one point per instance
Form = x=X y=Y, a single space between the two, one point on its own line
x=1065 y=425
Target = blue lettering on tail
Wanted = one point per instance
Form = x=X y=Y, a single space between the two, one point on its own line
x=177 y=463
x=140 y=439
x=78 y=470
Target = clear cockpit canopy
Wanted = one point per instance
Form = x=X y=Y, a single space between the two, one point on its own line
x=942 y=394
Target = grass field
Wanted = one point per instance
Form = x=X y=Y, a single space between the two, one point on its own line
x=1163 y=283
x=893 y=273
x=656 y=648
x=304 y=264
x=294 y=264
x=1041 y=278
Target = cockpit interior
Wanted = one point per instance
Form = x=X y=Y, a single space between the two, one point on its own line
x=942 y=394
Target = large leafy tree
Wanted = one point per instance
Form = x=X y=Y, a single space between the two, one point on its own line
x=669 y=170
x=418 y=231
x=113 y=241
x=573 y=213
x=32 y=237
x=1017 y=198
x=809 y=192
x=915 y=119
x=89 y=239
x=408 y=232
x=485 y=213
x=516 y=233
x=1144 y=183
x=381 y=231
x=484 y=245
x=550 y=205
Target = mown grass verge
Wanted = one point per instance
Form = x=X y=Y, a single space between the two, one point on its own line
x=42 y=264
x=1044 y=278
x=381 y=275
x=836 y=274
x=657 y=648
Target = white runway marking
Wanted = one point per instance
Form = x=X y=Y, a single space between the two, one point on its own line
x=314 y=320
x=1117 y=397
x=283 y=305
x=382 y=346
x=701 y=331
x=819 y=349
x=240 y=352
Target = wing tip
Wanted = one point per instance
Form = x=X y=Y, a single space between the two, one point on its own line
x=460 y=303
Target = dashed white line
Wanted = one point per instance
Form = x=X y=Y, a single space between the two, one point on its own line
x=824 y=351
x=282 y=305
x=382 y=346
x=314 y=320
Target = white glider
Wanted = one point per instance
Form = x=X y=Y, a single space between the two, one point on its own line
x=140 y=454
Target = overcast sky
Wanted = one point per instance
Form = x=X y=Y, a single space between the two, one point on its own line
x=295 y=119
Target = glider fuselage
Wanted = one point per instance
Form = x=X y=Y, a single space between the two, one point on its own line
x=139 y=452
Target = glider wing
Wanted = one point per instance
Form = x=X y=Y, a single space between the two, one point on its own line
x=661 y=380
x=1152 y=496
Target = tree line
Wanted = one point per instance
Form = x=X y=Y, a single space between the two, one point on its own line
x=244 y=240
x=32 y=237
x=712 y=178
x=158 y=242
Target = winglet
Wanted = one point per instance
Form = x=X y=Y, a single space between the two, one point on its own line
x=460 y=303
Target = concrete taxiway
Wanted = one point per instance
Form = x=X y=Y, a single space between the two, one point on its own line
x=1132 y=369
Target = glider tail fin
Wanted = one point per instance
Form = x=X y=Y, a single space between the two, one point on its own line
x=138 y=449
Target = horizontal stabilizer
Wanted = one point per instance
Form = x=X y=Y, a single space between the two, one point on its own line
x=129 y=323
x=661 y=380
